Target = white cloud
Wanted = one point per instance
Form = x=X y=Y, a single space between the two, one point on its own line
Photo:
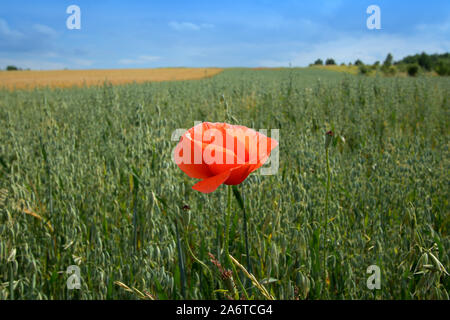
x=83 y=62
x=180 y=26
x=143 y=59
x=45 y=30
x=37 y=38
x=34 y=64
x=368 y=48
x=7 y=32
x=434 y=28
x=44 y=62
x=50 y=54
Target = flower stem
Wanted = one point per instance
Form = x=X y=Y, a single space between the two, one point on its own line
x=227 y=238
x=181 y=263
x=241 y=202
x=247 y=253
x=227 y=227
x=326 y=216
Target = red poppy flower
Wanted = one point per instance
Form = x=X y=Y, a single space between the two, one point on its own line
x=221 y=153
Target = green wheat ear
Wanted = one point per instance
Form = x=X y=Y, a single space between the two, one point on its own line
x=3 y=196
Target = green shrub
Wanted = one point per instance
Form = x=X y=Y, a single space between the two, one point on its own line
x=443 y=68
x=413 y=70
x=318 y=62
x=363 y=69
x=389 y=71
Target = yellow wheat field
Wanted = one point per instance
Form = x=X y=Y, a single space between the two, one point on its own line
x=70 y=78
x=346 y=68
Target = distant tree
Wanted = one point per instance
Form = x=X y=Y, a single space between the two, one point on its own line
x=387 y=68
x=358 y=63
x=330 y=62
x=443 y=68
x=413 y=70
x=377 y=63
x=428 y=62
x=343 y=64
x=11 y=68
x=388 y=61
x=318 y=62
x=425 y=61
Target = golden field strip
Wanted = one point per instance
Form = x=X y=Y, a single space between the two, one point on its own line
x=347 y=69
x=69 y=78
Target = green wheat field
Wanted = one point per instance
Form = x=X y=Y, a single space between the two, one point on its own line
x=87 y=179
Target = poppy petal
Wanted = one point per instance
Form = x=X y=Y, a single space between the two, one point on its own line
x=226 y=159
x=239 y=174
x=239 y=138
x=211 y=184
x=188 y=166
x=262 y=155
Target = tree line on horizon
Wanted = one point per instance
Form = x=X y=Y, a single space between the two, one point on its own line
x=412 y=64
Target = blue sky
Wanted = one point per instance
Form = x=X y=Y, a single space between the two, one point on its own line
x=149 y=34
